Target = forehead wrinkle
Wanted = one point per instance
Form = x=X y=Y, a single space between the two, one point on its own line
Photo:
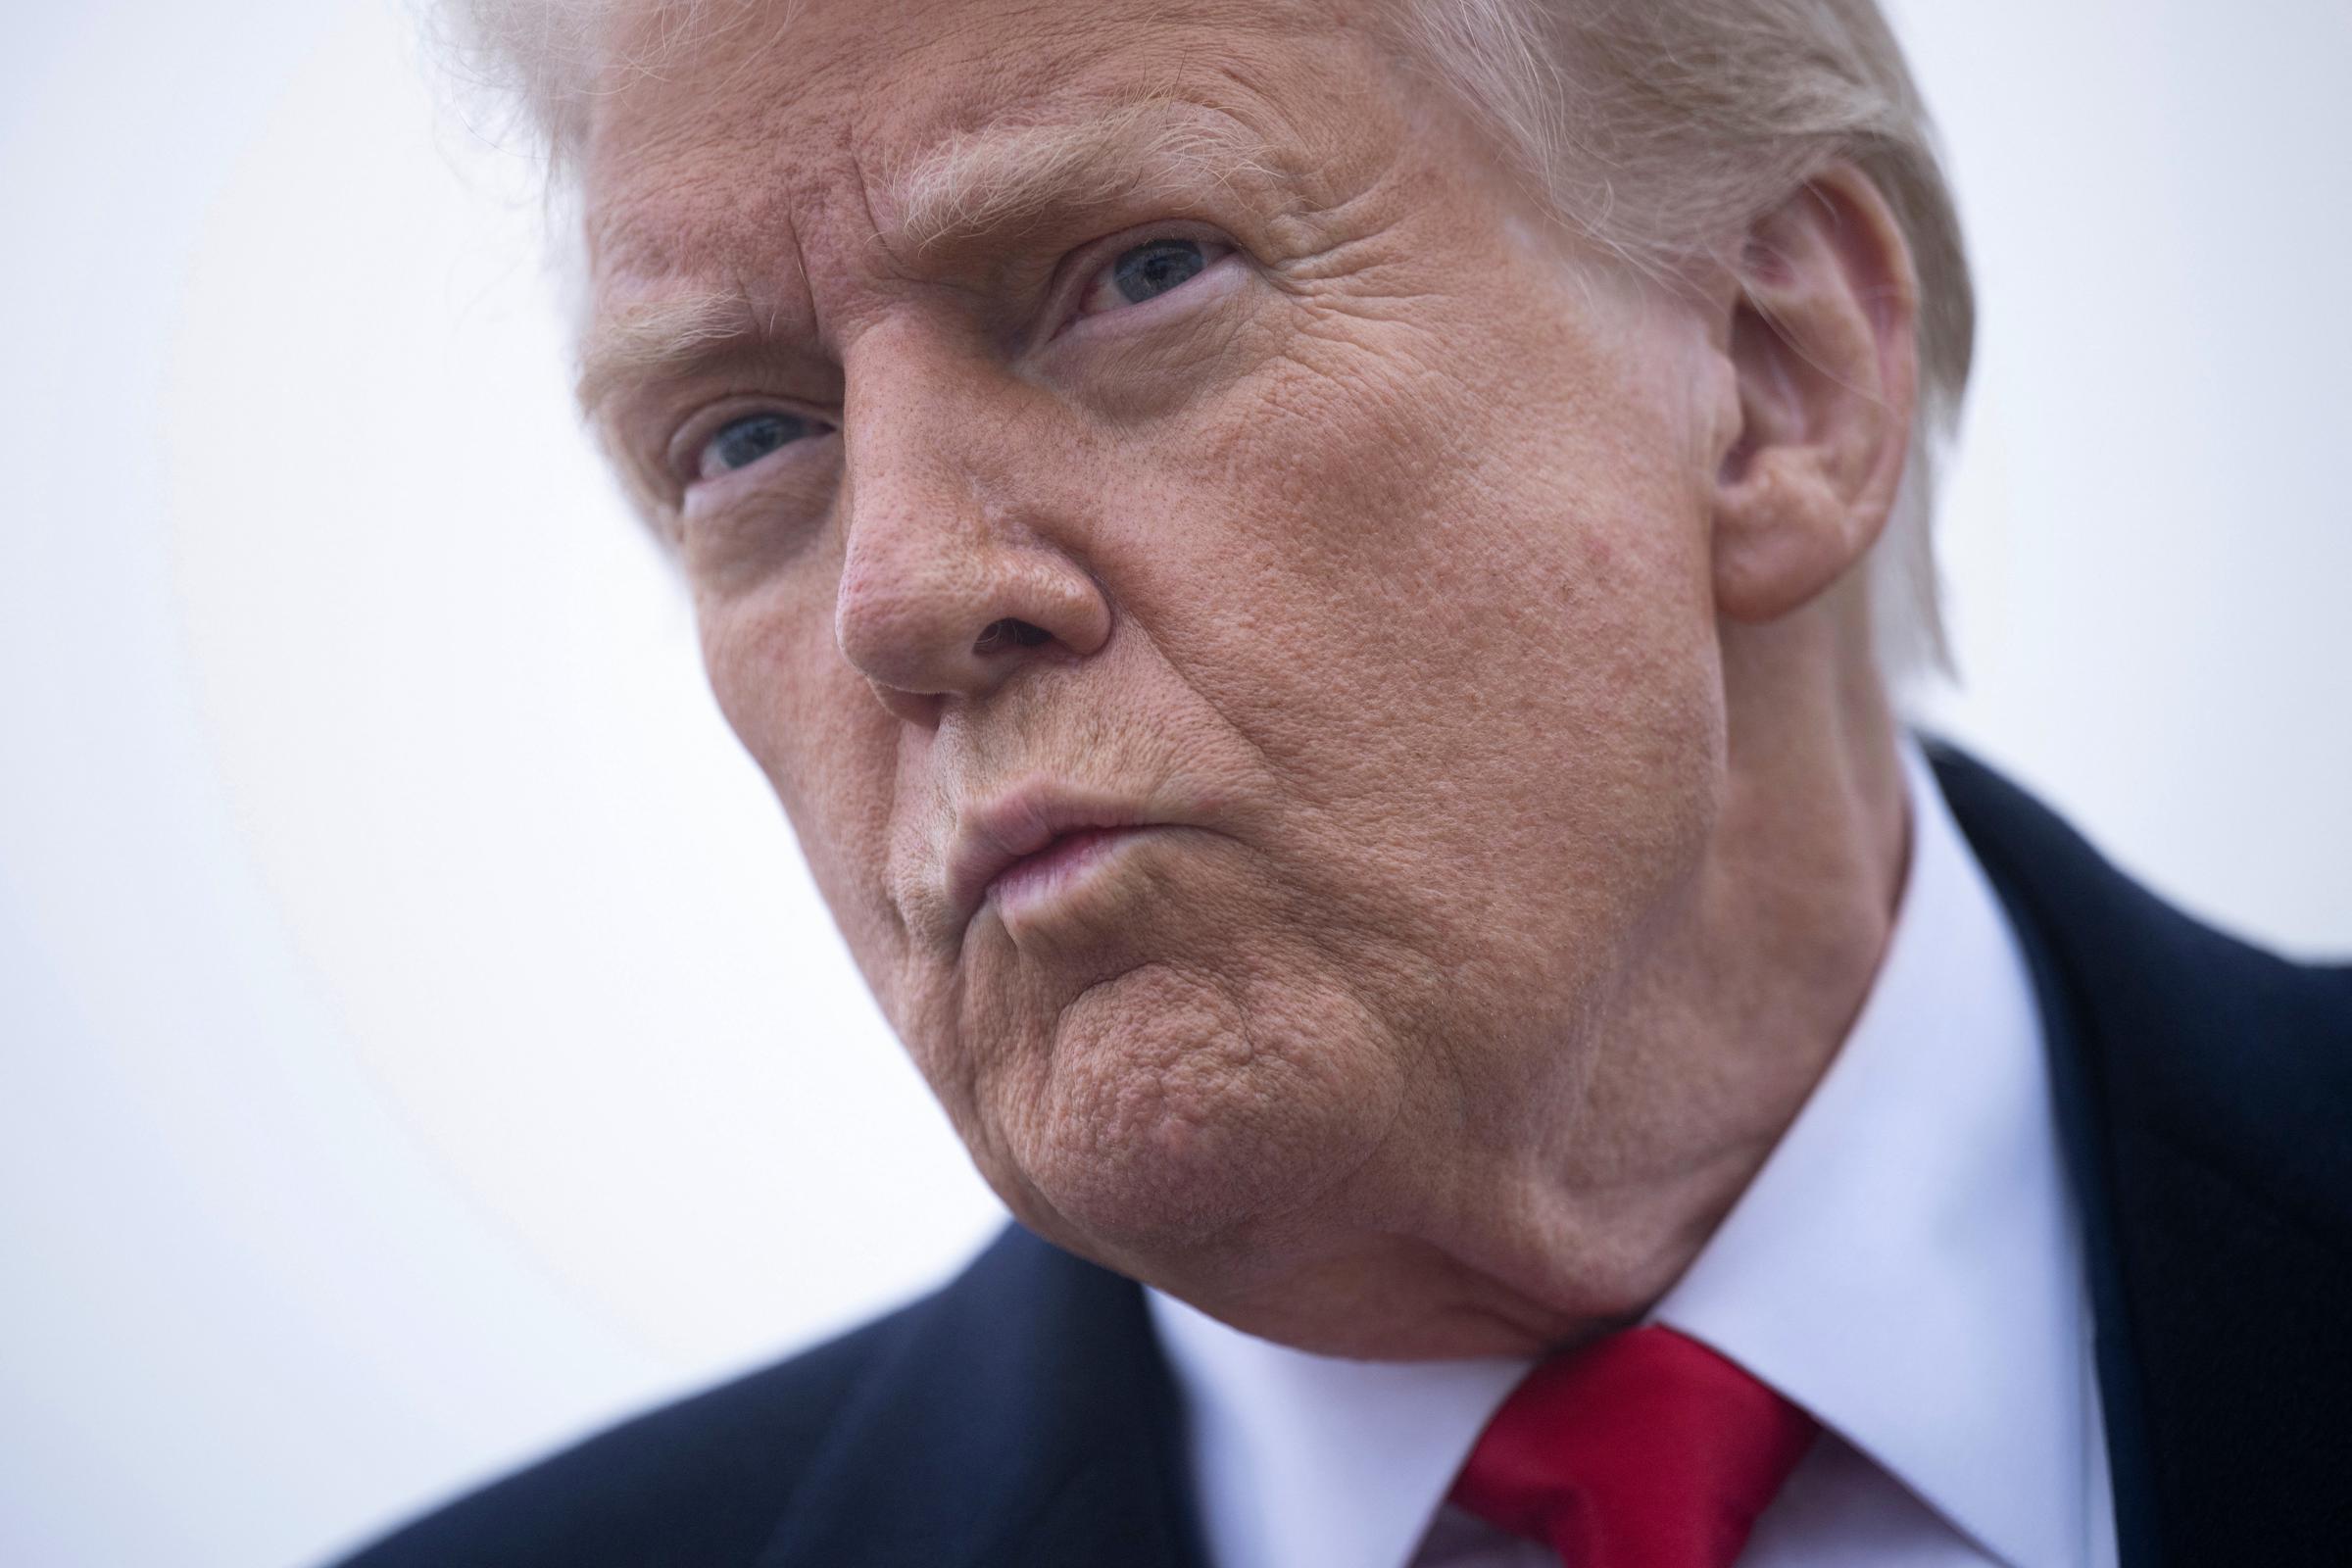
x=1000 y=177
x=1173 y=136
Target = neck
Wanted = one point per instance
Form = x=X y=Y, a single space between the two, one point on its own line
x=1730 y=1022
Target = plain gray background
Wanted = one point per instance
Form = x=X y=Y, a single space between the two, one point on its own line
x=417 y=1035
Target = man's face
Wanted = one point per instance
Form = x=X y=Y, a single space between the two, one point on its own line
x=1248 y=470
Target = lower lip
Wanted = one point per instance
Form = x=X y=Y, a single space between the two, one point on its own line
x=1057 y=867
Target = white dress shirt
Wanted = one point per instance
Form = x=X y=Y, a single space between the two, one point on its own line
x=1906 y=1266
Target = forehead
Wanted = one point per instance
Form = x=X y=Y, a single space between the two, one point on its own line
x=767 y=126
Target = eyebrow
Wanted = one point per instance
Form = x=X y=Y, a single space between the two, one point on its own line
x=978 y=183
x=654 y=339
x=1001 y=178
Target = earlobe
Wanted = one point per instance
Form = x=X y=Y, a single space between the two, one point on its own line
x=1822 y=342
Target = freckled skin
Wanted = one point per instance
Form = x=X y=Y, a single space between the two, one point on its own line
x=1523 y=891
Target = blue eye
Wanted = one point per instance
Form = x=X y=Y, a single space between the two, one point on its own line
x=1150 y=271
x=740 y=443
x=1141 y=274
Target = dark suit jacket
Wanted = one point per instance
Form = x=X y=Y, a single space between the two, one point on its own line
x=1023 y=1416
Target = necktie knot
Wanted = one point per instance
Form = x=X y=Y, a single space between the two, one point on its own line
x=1645 y=1449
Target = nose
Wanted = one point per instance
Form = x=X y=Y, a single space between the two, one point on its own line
x=957 y=567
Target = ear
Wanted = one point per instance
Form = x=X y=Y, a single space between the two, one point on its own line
x=1824 y=351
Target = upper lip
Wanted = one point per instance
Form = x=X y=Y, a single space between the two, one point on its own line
x=993 y=835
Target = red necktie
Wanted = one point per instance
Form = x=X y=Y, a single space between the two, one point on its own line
x=1645 y=1449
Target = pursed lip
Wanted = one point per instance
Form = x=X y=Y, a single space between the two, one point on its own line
x=993 y=838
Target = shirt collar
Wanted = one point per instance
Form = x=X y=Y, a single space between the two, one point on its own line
x=1312 y=1461
x=1904 y=1266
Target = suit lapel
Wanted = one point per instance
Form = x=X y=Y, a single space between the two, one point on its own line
x=2083 y=1131
x=1027 y=1418
x=2204 y=1090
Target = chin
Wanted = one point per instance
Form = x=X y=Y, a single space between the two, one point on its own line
x=1180 y=1112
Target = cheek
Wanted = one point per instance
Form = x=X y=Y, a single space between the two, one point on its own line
x=1451 y=584
x=1456 y=501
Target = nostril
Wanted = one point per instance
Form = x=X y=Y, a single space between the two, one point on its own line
x=1010 y=633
